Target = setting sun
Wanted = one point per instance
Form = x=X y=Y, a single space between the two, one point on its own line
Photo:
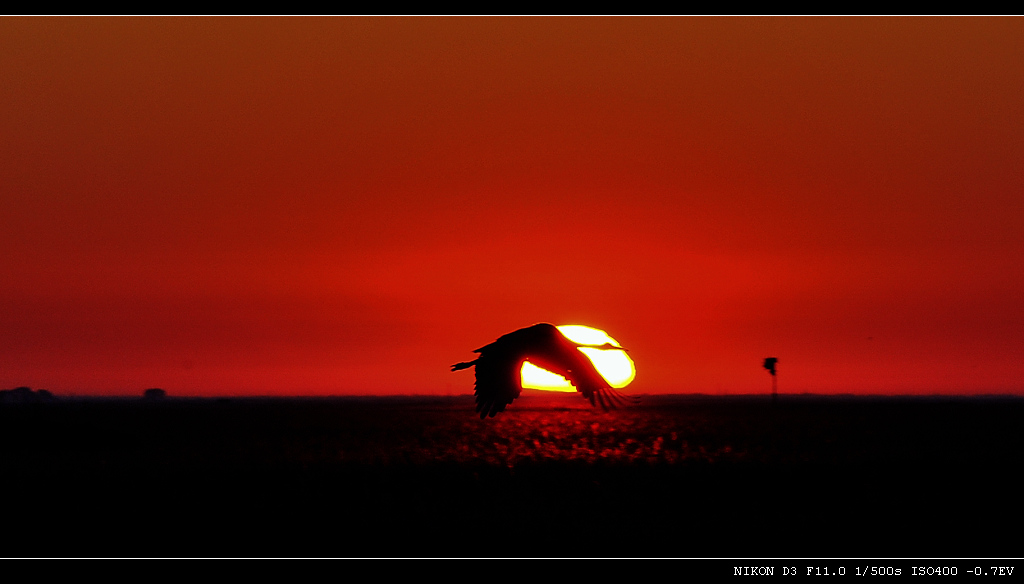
x=613 y=364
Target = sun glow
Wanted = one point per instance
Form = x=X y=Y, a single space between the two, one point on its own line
x=613 y=364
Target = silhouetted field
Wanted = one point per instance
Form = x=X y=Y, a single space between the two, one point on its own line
x=676 y=476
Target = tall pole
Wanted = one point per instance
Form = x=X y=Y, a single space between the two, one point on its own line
x=769 y=364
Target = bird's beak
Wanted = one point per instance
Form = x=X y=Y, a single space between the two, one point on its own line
x=607 y=347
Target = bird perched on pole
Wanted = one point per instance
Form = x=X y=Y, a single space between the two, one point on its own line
x=498 y=368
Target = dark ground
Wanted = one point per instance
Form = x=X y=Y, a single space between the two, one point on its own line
x=676 y=476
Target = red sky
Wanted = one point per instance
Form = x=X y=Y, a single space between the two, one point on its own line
x=228 y=206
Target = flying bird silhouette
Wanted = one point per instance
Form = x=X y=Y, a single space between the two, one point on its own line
x=498 y=368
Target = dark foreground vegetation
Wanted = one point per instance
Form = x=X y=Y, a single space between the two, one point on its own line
x=675 y=476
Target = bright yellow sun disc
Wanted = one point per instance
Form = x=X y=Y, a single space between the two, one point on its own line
x=613 y=364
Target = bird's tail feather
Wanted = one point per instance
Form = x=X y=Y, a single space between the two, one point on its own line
x=463 y=365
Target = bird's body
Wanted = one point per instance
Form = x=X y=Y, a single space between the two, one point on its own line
x=498 y=377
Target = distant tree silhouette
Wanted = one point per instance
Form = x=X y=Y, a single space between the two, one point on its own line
x=769 y=364
x=154 y=393
x=23 y=395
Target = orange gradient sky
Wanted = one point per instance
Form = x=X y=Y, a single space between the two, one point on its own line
x=231 y=206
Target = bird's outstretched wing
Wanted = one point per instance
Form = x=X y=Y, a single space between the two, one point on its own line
x=610 y=399
x=498 y=381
